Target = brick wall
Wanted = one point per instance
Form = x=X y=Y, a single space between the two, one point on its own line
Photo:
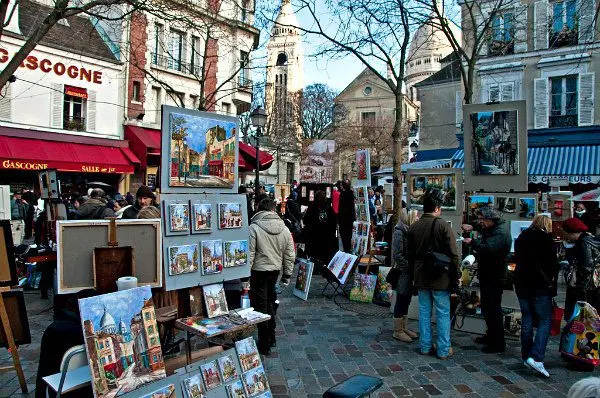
x=137 y=62
x=210 y=83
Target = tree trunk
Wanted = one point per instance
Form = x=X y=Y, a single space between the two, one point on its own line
x=397 y=155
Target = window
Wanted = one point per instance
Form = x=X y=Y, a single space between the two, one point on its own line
x=282 y=59
x=101 y=345
x=158 y=34
x=154 y=358
x=502 y=37
x=244 y=75
x=563 y=101
x=564 y=23
x=147 y=316
x=74 y=112
x=110 y=359
x=135 y=95
x=226 y=108
x=152 y=341
x=427 y=60
x=501 y=92
x=244 y=10
x=150 y=329
x=194 y=58
x=156 y=96
x=368 y=90
x=418 y=62
x=175 y=50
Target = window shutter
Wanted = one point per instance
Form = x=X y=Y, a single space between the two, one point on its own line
x=540 y=25
x=480 y=22
x=507 y=91
x=6 y=103
x=57 y=97
x=458 y=110
x=91 y=111
x=586 y=99
x=493 y=93
x=520 y=28
x=586 y=9
x=540 y=103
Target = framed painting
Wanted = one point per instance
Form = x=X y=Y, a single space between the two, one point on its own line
x=227 y=367
x=214 y=298
x=364 y=288
x=211 y=375
x=201 y=217
x=476 y=202
x=363 y=168
x=247 y=354
x=183 y=259
x=495 y=146
x=8 y=266
x=236 y=390
x=255 y=381
x=506 y=204
x=113 y=325
x=316 y=164
x=199 y=151
x=236 y=253
x=341 y=265
x=167 y=391
x=230 y=215
x=560 y=205
x=212 y=256
x=449 y=181
x=177 y=217
x=303 y=278
x=361 y=204
x=14 y=302
x=193 y=387
x=527 y=207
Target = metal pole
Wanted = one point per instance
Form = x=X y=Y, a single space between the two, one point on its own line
x=257 y=177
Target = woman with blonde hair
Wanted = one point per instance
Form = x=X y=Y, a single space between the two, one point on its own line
x=535 y=279
x=403 y=285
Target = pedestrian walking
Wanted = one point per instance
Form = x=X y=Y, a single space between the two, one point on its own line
x=143 y=197
x=18 y=214
x=431 y=237
x=581 y=276
x=346 y=215
x=491 y=251
x=95 y=208
x=535 y=280
x=271 y=251
x=319 y=229
x=404 y=284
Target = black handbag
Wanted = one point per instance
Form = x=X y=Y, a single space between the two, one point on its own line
x=435 y=263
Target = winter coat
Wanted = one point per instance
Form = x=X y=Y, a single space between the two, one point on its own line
x=292 y=210
x=271 y=244
x=586 y=255
x=319 y=232
x=94 y=209
x=399 y=256
x=418 y=241
x=18 y=210
x=346 y=213
x=335 y=201
x=537 y=267
x=119 y=213
x=491 y=252
x=131 y=212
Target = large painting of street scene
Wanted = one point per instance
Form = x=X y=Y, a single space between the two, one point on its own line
x=202 y=152
x=122 y=341
x=495 y=143
x=419 y=184
x=316 y=165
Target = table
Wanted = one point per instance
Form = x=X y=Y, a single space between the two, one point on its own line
x=74 y=380
x=190 y=331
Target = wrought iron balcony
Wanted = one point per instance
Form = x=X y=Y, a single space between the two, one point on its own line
x=174 y=64
x=74 y=123
x=245 y=84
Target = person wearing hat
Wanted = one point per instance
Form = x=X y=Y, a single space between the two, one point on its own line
x=583 y=251
x=491 y=251
x=144 y=197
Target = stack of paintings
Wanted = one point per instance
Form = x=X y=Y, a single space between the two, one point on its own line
x=361 y=204
x=254 y=378
x=360 y=238
x=341 y=265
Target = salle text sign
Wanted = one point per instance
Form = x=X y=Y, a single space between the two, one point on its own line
x=58 y=68
x=581 y=179
x=63 y=166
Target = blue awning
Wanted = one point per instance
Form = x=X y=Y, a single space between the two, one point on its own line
x=561 y=160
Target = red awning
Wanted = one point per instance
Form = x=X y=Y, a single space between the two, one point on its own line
x=37 y=154
x=143 y=142
x=247 y=158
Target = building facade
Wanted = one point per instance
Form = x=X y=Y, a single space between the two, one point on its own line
x=546 y=53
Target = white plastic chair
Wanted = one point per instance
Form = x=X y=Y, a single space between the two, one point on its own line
x=74 y=358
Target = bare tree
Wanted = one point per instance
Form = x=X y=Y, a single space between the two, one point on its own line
x=316 y=110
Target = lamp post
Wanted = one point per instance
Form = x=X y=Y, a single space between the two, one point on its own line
x=259 y=120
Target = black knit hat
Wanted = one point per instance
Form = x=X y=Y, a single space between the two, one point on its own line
x=144 y=192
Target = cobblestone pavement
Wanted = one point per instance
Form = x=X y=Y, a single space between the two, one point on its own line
x=321 y=342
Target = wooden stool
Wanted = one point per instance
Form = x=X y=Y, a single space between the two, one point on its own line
x=356 y=386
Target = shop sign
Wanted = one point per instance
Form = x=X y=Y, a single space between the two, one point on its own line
x=17 y=165
x=581 y=179
x=63 y=166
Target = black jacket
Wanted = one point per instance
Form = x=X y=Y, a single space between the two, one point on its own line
x=491 y=251
x=586 y=254
x=319 y=232
x=94 y=209
x=292 y=210
x=131 y=212
x=537 y=266
x=346 y=211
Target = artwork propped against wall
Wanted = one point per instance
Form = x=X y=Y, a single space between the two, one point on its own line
x=363 y=168
x=122 y=341
x=449 y=181
x=495 y=146
x=303 y=278
x=199 y=151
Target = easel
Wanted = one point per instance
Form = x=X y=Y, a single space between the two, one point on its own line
x=5 y=323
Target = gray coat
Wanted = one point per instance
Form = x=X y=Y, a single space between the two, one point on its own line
x=399 y=248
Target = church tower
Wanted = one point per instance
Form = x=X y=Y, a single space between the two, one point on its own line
x=285 y=74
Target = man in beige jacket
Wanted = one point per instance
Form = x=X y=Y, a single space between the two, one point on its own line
x=271 y=250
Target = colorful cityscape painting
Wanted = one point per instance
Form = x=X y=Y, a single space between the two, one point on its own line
x=193 y=387
x=256 y=381
x=494 y=143
x=419 y=184
x=202 y=151
x=247 y=354
x=527 y=207
x=163 y=392
x=210 y=374
x=122 y=341
x=236 y=253
x=236 y=390
x=214 y=297
x=202 y=217
x=227 y=366
x=230 y=215
x=179 y=217
x=212 y=256
x=183 y=259
x=478 y=201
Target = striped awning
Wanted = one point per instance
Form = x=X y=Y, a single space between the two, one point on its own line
x=427 y=164
x=561 y=160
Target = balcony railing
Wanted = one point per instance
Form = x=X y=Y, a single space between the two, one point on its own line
x=174 y=64
x=245 y=83
x=501 y=47
x=566 y=37
x=563 y=121
x=74 y=123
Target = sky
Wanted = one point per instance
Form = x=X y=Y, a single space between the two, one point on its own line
x=197 y=128
x=121 y=305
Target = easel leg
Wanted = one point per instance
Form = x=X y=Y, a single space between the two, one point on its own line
x=11 y=345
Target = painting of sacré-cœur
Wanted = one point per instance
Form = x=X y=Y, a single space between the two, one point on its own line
x=122 y=341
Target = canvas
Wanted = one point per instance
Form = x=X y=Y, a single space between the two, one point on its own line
x=179 y=217
x=230 y=215
x=516 y=227
x=381 y=288
x=210 y=375
x=236 y=253
x=212 y=256
x=560 y=206
x=495 y=149
x=202 y=151
x=247 y=354
x=214 y=298
x=227 y=367
x=303 y=278
x=478 y=201
x=361 y=204
x=236 y=390
x=363 y=168
x=163 y=392
x=420 y=183
x=341 y=265
x=201 y=218
x=360 y=238
x=183 y=259
x=316 y=164
x=122 y=341
x=193 y=387
x=364 y=288
x=255 y=381
x=506 y=204
x=527 y=207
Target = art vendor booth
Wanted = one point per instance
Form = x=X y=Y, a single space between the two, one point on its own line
x=143 y=288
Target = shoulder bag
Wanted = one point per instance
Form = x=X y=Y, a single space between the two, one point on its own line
x=435 y=263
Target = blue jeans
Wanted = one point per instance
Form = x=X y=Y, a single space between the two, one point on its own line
x=441 y=300
x=541 y=306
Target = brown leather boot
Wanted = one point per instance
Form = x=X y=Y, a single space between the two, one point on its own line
x=399 y=332
x=411 y=333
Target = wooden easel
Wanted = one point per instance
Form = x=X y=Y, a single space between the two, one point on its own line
x=5 y=324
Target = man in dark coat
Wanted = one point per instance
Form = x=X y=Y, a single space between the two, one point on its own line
x=346 y=215
x=491 y=251
x=144 y=197
x=95 y=208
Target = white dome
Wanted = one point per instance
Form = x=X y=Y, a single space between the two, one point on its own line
x=285 y=20
x=107 y=323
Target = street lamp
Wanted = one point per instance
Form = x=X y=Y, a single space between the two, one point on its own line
x=259 y=120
